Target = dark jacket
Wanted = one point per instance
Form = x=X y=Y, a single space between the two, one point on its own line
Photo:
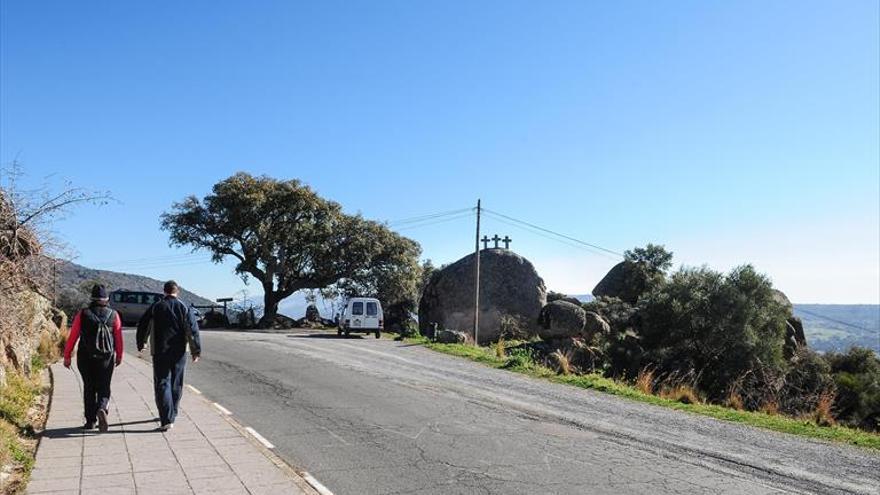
x=173 y=326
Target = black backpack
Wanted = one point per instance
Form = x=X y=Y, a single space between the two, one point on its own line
x=104 y=343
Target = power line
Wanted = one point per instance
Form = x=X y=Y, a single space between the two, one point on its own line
x=594 y=246
x=436 y=221
x=429 y=216
x=841 y=322
x=546 y=236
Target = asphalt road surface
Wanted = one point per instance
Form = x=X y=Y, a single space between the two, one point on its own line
x=367 y=416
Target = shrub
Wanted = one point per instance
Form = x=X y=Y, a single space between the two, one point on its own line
x=806 y=382
x=856 y=375
x=719 y=325
x=520 y=357
x=500 y=351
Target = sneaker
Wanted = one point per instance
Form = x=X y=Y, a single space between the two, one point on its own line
x=88 y=426
x=166 y=427
x=102 y=421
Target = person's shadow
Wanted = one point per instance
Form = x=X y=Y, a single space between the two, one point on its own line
x=77 y=431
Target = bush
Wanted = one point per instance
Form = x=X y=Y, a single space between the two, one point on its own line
x=718 y=326
x=856 y=375
x=806 y=383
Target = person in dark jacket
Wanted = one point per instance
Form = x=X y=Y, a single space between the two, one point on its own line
x=99 y=332
x=170 y=325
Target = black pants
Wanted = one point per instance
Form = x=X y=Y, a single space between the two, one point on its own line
x=96 y=375
x=168 y=369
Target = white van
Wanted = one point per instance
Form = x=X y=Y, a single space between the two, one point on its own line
x=361 y=314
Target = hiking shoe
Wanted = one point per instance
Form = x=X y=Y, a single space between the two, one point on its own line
x=102 y=421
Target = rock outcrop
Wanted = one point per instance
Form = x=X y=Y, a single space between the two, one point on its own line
x=36 y=321
x=595 y=324
x=625 y=281
x=509 y=286
x=561 y=319
x=794 y=326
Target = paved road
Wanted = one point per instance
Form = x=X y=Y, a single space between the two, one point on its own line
x=368 y=416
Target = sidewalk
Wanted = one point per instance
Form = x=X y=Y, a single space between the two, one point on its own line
x=206 y=452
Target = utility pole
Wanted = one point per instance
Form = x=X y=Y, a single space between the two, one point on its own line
x=477 y=280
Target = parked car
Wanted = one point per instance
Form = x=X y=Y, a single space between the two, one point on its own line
x=361 y=315
x=131 y=305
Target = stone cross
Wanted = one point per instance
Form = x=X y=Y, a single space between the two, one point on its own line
x=496 y=239
x=485 y=241
x=507 y=240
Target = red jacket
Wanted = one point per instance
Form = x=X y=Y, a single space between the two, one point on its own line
x=74 y=336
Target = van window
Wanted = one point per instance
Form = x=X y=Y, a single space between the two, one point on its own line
x=357 y=308
x=150 y=298
x=372 y=309
x=117 y=297
x=130 y=298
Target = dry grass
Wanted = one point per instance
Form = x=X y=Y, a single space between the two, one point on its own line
x=735 y=401
x=561 y=361
x=822 y=414
x=645 y=381
x=500 y=349
x=770 y=407
x=685 y=394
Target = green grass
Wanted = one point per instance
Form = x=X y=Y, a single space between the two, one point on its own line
x=518 y=362
x=16 y=427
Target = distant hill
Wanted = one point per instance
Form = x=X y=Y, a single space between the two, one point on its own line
x=71 y=276
x=836 y=327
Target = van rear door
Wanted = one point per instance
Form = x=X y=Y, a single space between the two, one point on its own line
x=372 y=316
x=357 y=314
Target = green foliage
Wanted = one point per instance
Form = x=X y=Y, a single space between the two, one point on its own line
x=520 y=358
x=857 y=378
x=718 y=326
x=286 y=236
x=644 y=269
x=807 y=378
x=621 y=348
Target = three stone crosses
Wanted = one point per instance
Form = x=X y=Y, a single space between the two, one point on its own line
x=485 y=240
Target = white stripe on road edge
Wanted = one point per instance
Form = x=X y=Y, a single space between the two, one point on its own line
x=193 y=389
x=222 y=409
x=259 y=437
x=316 y=484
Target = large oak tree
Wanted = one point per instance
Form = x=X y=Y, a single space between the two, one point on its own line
x=282 y=234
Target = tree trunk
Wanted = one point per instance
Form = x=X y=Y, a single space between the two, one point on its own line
x=270 y=307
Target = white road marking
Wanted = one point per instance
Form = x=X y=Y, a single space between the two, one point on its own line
x=316 y=484
x=222 y=409
x=260 y=438
x=193 y=389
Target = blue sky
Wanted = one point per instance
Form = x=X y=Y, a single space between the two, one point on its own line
x=731 y=132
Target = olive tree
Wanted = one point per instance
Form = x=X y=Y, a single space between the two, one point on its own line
x=281 y=233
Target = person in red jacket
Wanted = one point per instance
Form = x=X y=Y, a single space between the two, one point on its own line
x=98 y=329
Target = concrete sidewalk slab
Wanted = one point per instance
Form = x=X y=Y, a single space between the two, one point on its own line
x=206 y=452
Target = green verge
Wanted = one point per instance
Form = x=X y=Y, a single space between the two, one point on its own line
x=598 y=382
x=16 y=428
